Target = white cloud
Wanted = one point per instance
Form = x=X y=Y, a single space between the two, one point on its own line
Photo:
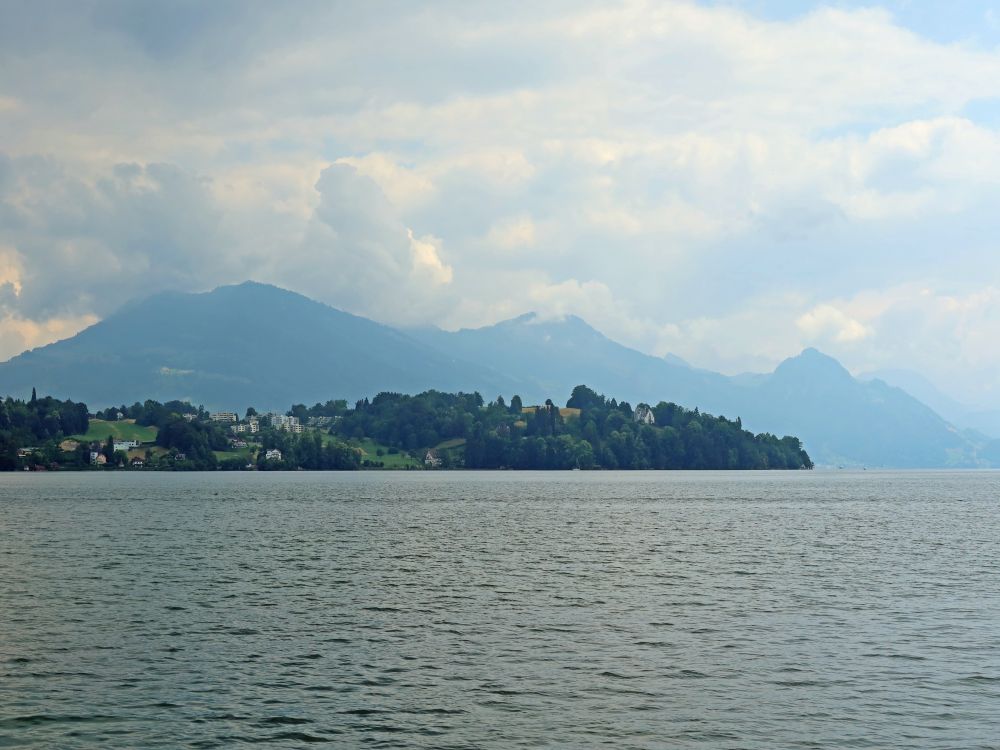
x=427 y=260
x=402 y=186
x=825 y=322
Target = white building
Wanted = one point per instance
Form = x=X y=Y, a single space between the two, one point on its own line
x=643 y=414
x=285 y=423
x=224 y=416
x=126 y=445
x=273 y=455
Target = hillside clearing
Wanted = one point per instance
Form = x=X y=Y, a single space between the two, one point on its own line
x=125 y=429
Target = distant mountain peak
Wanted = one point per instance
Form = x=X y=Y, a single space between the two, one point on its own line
x=813 y=362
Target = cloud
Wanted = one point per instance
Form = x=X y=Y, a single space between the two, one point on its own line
x=687 y=177
x=71 y=240
x=357 y=254
x=825 y=322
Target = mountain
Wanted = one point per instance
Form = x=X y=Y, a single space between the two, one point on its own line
x=983 y=420
x=236 y=346
x=258 y=345
x=848 y=421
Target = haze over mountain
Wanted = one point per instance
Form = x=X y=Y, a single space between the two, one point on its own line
x=255 y=344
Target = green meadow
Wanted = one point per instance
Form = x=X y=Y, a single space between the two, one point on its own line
x=125 y=429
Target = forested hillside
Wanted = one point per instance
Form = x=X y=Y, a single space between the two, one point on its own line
x=592 y=432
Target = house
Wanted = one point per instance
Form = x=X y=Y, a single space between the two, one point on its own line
x=240 y=428
x=273 y=455
x=137 y=463
x=253 y=424
x=180 y=457
x=432 y=460
x=238 y=443
x=224 y=416
x=97 y=459
x=643 y=414
x=190 y=417
x=25 y=452
x=126 y=445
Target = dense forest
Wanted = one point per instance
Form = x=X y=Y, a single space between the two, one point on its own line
x=592 y=432
x=38 y=422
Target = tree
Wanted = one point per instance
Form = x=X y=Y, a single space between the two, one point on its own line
x=515 y=405
x=109 y=448
x=584 y=398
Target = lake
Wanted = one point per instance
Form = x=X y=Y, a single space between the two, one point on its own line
x=499 y=610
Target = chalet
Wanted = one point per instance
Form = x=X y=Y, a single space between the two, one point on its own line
x=273 y=455
x=432 y=460
x=137 y=463
x=97 y=459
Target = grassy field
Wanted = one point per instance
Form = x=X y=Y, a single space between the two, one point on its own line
x=244 y=454
x=369 y=452
x=125 y=429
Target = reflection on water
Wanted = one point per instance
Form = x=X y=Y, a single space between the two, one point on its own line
x=495 y=610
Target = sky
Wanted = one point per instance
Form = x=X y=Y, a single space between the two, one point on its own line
x=730 y=182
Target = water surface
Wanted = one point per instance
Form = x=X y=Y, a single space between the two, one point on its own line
x=496 y=610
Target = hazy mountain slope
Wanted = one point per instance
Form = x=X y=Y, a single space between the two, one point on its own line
x=236 y=346
x=986 y=421
x=847 y=421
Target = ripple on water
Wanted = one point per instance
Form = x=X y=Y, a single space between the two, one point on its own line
x=496 y=610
